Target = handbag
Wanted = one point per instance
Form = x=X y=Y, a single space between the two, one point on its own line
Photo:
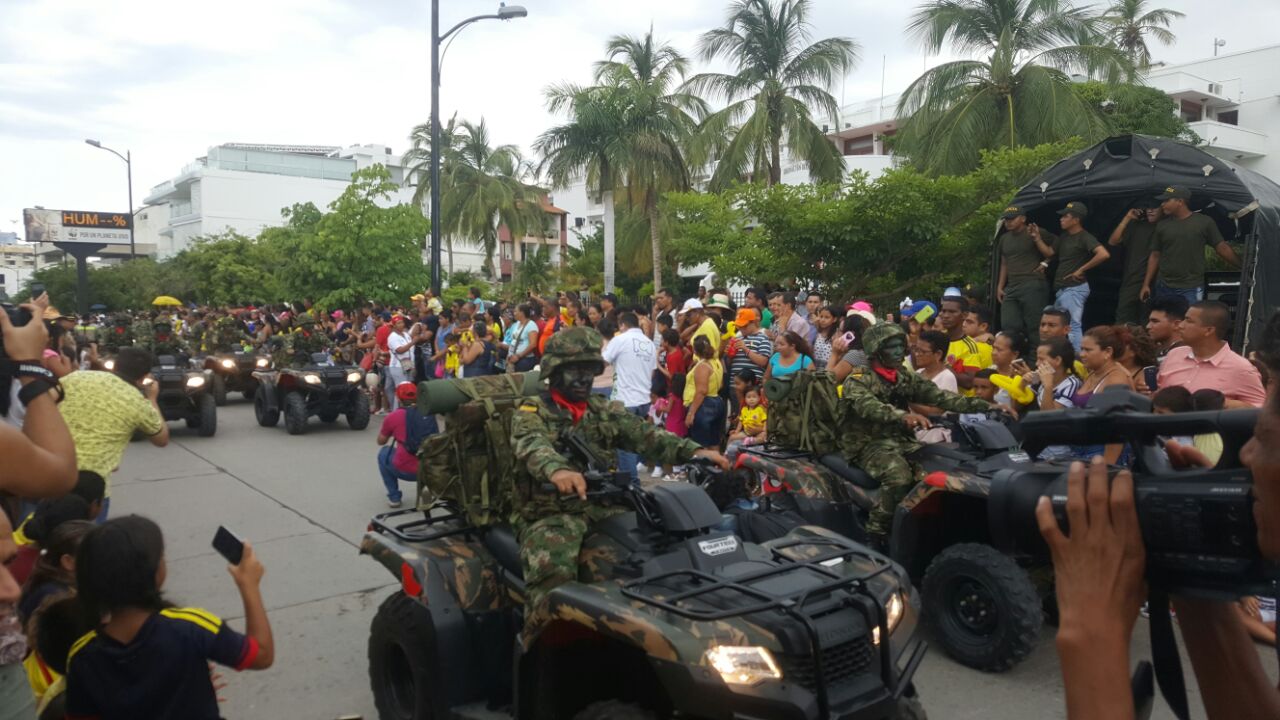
x=366 y=362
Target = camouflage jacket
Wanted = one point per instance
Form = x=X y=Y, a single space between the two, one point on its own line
x=295 y=348
x=872 y=408
x=537 y=425
x=224 y=336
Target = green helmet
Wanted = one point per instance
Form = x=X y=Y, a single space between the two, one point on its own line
x=575 y=345
x=877 y=334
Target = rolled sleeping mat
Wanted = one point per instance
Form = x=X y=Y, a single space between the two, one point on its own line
x=777 y=389
x=440 y=397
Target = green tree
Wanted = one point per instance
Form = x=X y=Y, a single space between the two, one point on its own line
x=536 y=273
x=359 y=250
x=1129 y=109
x=417 y=161
x=1128 y=23
x=229 y=269
x=779 y=81
x=1017 y=94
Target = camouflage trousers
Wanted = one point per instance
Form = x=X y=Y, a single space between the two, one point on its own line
x=884 y=461
x=555 y=549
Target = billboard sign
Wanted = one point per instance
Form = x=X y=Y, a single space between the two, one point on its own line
x=77 y=226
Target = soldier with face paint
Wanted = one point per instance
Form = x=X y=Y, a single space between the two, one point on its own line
x=878 y=431
x=551 y=526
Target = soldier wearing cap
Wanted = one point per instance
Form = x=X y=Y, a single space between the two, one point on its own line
x=550 y=525
x=1023 y=289
x=1176 y=265
x=1078 y=252
x=1135 y=233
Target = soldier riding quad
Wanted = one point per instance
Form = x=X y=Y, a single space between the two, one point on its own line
x=184 y=394
x=681 y=621
x=985 y=606
x=317 y=388
x=234 y=372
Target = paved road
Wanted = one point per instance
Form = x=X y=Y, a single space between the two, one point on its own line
x=304 y=502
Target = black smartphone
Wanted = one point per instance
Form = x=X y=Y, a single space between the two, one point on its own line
x=36 y=289
x=228 y=545
x=1149 y=375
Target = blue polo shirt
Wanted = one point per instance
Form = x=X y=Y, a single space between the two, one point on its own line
x=162 y=673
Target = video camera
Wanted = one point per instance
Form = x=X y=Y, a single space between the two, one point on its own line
x=1197 y=523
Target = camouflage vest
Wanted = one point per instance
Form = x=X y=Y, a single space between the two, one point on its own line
x=804 y=411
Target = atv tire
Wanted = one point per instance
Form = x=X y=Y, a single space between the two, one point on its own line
x=219 y=390
x=266 y=417
x=402 y=659
x=982 y=606
x=208 y=424
x=358 y=418
x=614 y=710
x=295 y=413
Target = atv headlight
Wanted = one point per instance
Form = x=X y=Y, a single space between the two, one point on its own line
x=262 y=362
x=893 y=610
x=311 y=378
x=353 y=377
x=229 y=364
x=739 y=665
x=195 y=381
x=109 y=365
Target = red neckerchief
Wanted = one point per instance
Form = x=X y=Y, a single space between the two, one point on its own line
x=890 y=376
x=576 y=409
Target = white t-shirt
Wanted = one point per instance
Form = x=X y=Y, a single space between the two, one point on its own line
x=946 y=380
x=399 y=344
x=633 y=358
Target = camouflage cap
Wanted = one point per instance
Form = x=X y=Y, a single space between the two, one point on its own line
x=226 y=321
x=575 y=345
x=876 y=335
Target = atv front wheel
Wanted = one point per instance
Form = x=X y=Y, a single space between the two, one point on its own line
x=982 y=606
x=219 y=389
x=614 y=710
x=402 y=659
x=295 y=413
x=358 y=418
x=267 y=416
x=208 y=424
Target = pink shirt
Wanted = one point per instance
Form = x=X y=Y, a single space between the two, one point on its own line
x=1226 y=371
x=393 y=427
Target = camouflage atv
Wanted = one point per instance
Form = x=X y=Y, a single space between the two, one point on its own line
x=320 y=388
x=234 y=372
x=985 y=606
x=691 y=623
x=184 y=394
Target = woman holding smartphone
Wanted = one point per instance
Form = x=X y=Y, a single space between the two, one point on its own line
x=828 y=325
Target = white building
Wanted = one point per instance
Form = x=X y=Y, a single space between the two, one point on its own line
x=19 y=260
x=1232 y=102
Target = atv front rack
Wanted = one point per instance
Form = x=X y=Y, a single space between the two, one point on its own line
x=750 y=600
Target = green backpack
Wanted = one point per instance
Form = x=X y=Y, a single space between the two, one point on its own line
x=472 y=462
x=804 y=411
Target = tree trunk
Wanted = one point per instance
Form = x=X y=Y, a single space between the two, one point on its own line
x=609 y=240
x=775 y=159
x=656 y=243
x=448 y=244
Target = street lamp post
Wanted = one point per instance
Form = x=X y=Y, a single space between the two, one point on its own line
x=505 y=12
x=127 y=157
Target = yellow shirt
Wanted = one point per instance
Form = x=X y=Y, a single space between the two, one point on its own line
x=708 y=330
x=713 y=383
x=753 y=418
x=102 y=412
x=972 y=353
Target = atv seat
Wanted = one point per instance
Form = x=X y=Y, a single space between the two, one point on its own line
x=836 y=463
x=501 y=542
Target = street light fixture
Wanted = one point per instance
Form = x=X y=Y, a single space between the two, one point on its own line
x=505 y=12
x=127 y=157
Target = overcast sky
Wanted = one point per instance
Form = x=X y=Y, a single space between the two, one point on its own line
x=168 y=80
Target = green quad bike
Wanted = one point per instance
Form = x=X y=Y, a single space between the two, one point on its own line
x=321 y=388
x=234 y=372
x=985 y=606
x=692 y=623
x=184 y=394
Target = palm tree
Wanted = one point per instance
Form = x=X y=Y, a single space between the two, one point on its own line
x=417 y=162
x=661 y=120
x=535 y=272
x=1127 y=23
x=779 y=81
x=1018 y=94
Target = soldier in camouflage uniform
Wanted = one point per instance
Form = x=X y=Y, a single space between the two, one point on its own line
x=295 y=348
x=877 y=429
x=162 y=340
x=118 y=333
x=551 y=527
x=224 y=335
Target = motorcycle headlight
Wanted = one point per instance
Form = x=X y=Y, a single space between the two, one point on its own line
x=893 y=610
x=311 y=378
x=109 y=365
x=740 y=665
x=353 y=377
x=229 y=364
x=195 y=381
x=262 y=362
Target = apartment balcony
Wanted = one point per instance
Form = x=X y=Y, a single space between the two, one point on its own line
x=1193 y=88
x=1230 y=141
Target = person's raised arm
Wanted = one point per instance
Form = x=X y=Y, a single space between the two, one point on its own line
x=248 y=576
x=1045 y=249
x=40 y=460
x=1117 y=235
